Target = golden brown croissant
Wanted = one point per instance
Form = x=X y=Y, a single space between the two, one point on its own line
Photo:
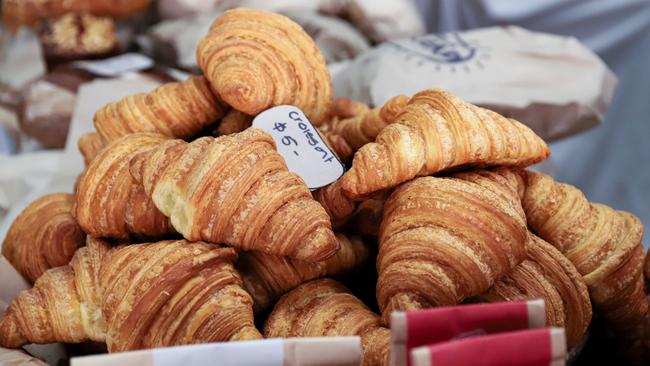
x=184 y=293
x=547 y=274
x=63 y=306
x=255 y=60
x=267 y=277
x=17 y=13
x=445 y=239
x=109 y=203
x=178 y=110
x=603 y=244
x=234 y=121
x=236 y=189
x=43 y=236
x=336 y=204
x=326 y=308
x=342 y=108
x=90 y=145
x=135 y=296
x=364 y=128
x=437 y=131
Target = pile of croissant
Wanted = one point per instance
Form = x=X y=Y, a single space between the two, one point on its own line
x=187 y=227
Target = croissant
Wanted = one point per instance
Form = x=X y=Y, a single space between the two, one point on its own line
x=603 y=244
x=442 y=240
x=364 y=127
x=326 y=308
x=437 y=131
x=234 y=121
x=109 y=203
x=255 y=60
x=342 y=108
x=547 y=274
x=336 y=204
x=90 y=144
x=17 y=13
x=63 y=306
x=43 y=236
x=133 y=297
x=267 y=277
x=177 y=110
x=236 y=189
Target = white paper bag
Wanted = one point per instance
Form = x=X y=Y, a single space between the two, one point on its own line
x=553 y=84
x=316 y=351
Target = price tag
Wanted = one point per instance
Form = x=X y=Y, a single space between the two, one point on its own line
x=299 y=143
x=116 y=66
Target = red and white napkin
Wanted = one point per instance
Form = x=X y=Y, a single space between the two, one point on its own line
x=532 y=347
x=427 y=327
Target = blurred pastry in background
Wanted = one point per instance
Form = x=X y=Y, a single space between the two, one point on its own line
x=77 y=37
x=18 y=13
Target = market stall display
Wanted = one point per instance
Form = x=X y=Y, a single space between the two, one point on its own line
x=188 y=226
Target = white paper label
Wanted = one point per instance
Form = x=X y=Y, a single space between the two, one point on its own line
x=116 y=66
x=267 y=352
x=299 y=143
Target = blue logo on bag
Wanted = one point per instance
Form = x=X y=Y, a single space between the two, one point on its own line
x=440 y=49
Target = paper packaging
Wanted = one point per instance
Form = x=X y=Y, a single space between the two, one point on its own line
x=414 y=328
x=546 y=346
x=316 y=351
x=378 y=20
x=553 y=84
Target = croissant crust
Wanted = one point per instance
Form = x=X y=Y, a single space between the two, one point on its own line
x=326 y=308
x=90 y=144
x=135 y=296
x=603 y=244
x=236 y=189
x=547 y=274
x=442 y=240
x=176 y=110
x=435 y=132
x=43 y=236
x=109 y=203
x=255 y=60
x=267 y=277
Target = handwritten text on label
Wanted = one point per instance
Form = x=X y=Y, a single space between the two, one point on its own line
x=302 y=148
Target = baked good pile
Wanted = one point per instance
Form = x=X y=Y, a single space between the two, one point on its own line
x=187 y=227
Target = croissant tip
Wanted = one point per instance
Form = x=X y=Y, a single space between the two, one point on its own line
x=348 y=183
x=321 y=244
x=10 y=335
